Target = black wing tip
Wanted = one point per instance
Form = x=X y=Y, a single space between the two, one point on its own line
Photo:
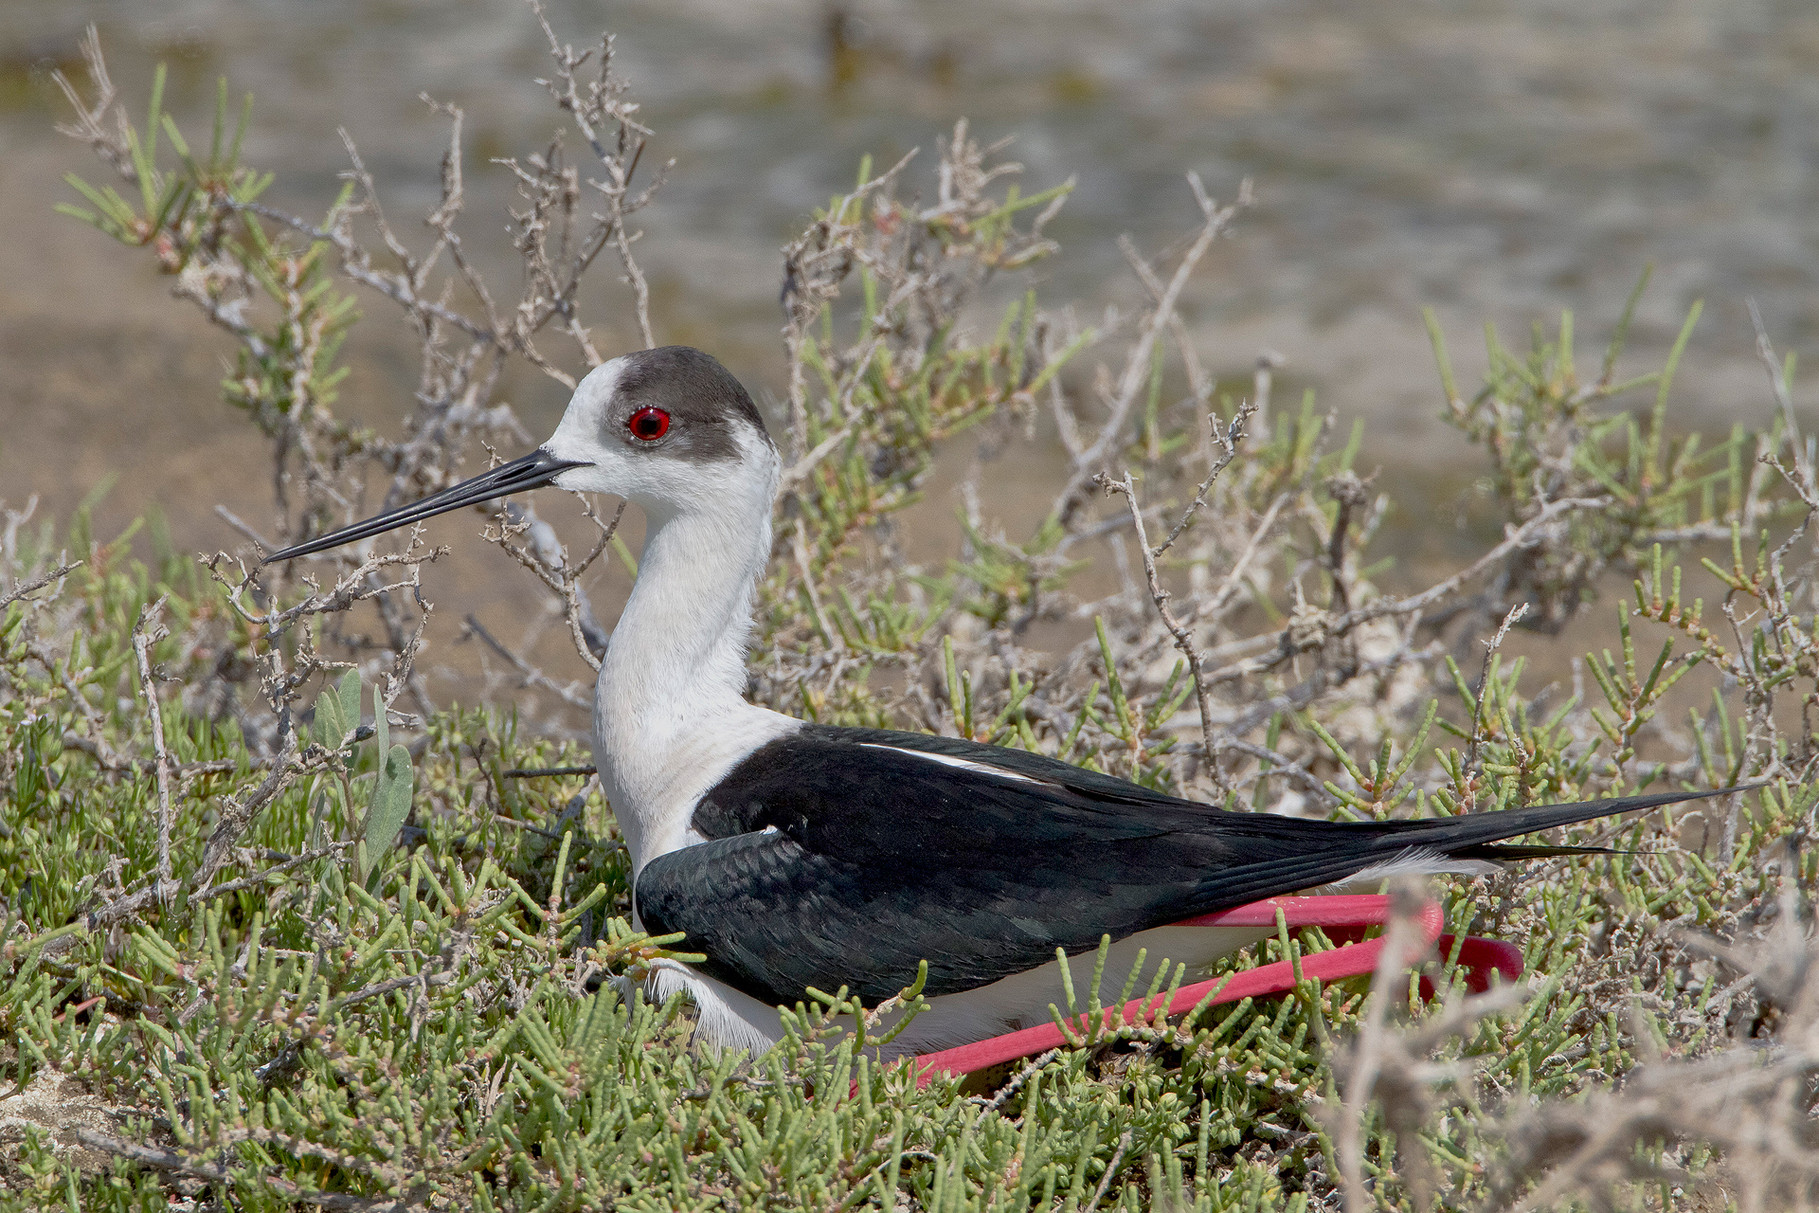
x=1552 y=816
x=1639 y=801
x=1505 y=852
x=1635 y=802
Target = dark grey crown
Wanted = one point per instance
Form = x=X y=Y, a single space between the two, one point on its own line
x=702 y=397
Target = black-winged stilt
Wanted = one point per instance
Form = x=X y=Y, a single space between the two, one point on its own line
x=799 y=855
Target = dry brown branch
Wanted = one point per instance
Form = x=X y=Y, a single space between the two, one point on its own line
x=1228 y=440
x=594 y=107
x=91 y=125
x=237 y=813
x=1200 y=386
x=466 y=331
x=267 y=875
x=1474 y=744
x=572 y=694
x=546 y=558
x=1765 y=352
x=147 y=631
x=39 y=582
x=1402 y=947
x=1281 y=764
x=1131 y=381
x=1184 y=639
x=174 y=1163
x=1755 y=1105
x=814 y=266
x=1234 y=576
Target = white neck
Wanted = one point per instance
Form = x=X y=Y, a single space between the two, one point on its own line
x=670 y=716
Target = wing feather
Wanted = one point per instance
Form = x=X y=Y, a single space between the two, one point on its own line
x=845 y=857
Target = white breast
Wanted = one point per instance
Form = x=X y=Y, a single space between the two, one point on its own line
x=654 y=782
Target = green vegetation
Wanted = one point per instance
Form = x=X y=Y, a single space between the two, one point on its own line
x=270 y=941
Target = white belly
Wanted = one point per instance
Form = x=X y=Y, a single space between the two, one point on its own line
x=731 y=1019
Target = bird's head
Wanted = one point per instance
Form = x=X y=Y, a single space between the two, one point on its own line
x=669 y=429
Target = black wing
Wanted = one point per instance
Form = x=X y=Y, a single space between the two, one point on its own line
x=836 y=858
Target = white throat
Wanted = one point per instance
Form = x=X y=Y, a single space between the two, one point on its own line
x=670 y=715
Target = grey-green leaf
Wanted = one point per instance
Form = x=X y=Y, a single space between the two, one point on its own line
x=331 y=719
x=382 y=729
x=349 y=691
x=391 y=805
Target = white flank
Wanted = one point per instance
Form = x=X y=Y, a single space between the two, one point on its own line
x=730 y=1019
x=1417 y=861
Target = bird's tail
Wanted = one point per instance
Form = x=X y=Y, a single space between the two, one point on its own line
x=1475 y=835
x=1462 y=843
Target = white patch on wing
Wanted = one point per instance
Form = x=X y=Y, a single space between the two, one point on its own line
x=964 y=764
x=1417 y=861
x=693 y=837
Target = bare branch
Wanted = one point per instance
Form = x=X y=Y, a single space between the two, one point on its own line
x=39 y=582
x=1184 y=640
x=1137 y=360
x=147 y=631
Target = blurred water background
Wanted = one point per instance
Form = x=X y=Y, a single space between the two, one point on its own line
x=1497 y=160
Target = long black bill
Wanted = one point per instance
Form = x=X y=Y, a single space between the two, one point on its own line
x=531 y=472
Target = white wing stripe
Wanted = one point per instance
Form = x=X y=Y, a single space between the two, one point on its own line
x=964 y=764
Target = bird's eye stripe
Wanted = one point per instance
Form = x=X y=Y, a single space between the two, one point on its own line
x=648 y=424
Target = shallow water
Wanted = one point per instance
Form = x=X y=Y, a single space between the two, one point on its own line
x=1496 y=160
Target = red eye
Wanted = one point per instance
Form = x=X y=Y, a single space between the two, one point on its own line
x=648 y=424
